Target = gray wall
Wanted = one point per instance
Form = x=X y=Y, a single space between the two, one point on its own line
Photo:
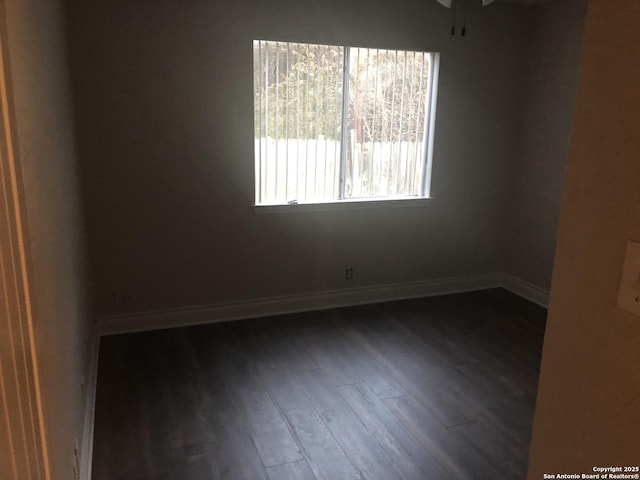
x=56 y=253
x=163 y=94
x=550 y=88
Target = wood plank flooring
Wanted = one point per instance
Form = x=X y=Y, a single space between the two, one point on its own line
x=436 y=388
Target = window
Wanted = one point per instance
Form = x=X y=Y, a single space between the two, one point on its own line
x=337 y=123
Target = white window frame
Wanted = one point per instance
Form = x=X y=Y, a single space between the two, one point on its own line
x=372 y=201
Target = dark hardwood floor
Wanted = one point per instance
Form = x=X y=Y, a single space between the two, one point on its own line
x=436 y=388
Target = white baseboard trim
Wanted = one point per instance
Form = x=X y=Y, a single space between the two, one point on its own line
x=90 y=383
x=524 y=289
x=154 y=320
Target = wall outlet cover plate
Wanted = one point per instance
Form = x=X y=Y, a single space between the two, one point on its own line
x=629 y=292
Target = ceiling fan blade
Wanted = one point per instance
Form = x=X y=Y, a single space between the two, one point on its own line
x=486 y=2
x=446 y=3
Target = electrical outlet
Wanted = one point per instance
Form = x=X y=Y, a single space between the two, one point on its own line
x=629 y=292
x=119 y=299
x=348 y=274
x=115 y=300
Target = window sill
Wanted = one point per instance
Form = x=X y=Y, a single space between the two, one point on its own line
x=343 y=205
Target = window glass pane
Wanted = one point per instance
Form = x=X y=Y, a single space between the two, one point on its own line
x=298 y=121
x=388 y=104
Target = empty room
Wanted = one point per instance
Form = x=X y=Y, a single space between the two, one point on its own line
x=319 y=240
